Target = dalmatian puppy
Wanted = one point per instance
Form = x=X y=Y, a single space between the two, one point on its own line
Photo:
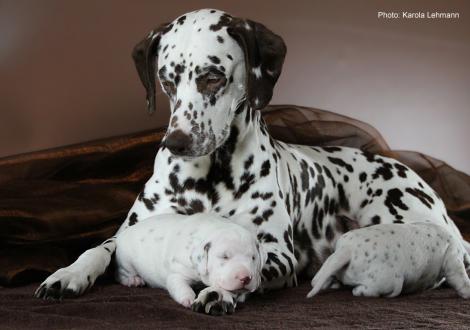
x=176 y=251
x=388 y=259
x=217 y=156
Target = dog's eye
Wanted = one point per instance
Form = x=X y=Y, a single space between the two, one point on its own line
x=225 y=256
x=169 y=87
x=210 y=83
x=213 y=79
x=253 y=258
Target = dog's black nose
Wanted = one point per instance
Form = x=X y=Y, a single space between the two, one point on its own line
x=178 y=142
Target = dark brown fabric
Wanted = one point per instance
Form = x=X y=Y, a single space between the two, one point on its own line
x=55 y=204
x=113 y=306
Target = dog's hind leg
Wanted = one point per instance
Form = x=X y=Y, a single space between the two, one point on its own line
x=454 y=270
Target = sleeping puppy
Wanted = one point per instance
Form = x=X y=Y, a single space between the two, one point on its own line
x=385 y=260
x=176 y=251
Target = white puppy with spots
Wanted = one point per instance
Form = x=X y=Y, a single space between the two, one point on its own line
x=175 y=251
x=385 y=260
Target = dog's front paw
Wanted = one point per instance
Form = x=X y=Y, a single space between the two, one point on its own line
x=214 y=301
x=64 y=283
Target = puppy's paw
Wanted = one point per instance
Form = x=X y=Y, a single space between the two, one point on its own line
x=187 y=302
x=214 y=301
x=64 y=283
x=359 y=290
x=365 y=291
x=132 y=281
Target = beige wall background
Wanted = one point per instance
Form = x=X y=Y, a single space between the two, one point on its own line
x=66 y=75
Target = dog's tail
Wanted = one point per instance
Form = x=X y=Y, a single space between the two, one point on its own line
x=334 y=263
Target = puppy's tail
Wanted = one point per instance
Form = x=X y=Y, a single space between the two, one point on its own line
x=334 y=263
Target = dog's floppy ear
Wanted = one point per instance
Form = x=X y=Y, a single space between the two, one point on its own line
x=145 y=60
x=264 y=55
x=200 y=259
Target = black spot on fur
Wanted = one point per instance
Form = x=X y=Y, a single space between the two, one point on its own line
x=133 y=219
x=401 y=170
x=273 y=259
x=331 y=149
x=422 y=196
x=266 y=238
x=224 y=20
x=304 y=176
x=315 y=229
x=364 y=203
x=249 y=162
x=342 y=163
x=362 y=176
x=267 y=214
x=393 y=201
x=149 y=202
x=214 y=59
x=258 y=220
x=181 y=20
x=179 y=69
x=329 y=175
x=265 y=168
x=343 y=201
x=385 y=171
x=288 y=239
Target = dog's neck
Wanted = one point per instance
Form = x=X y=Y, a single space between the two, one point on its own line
x=248 y=130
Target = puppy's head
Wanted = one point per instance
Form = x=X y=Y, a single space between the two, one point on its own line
x=208 y=64
x=232 y=260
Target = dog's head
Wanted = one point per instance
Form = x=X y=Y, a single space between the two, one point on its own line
x=232 y=260
x=208 y=63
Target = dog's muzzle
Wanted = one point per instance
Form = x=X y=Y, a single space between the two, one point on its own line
x=178 y=142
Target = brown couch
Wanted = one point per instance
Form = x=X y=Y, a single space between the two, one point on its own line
x=55 y=204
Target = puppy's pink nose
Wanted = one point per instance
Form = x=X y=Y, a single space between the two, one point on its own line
x=245 y=280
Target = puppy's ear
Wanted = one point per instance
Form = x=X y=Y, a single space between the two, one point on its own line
x=200 y=259
x=264 y=55
x=145 y=60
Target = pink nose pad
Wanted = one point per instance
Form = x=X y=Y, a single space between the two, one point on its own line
x=245 y=280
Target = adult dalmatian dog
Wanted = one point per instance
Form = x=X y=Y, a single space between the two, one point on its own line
x=217 y=156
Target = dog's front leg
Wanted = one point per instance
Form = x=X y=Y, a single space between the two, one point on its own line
x=75 y=279
x=279 y=270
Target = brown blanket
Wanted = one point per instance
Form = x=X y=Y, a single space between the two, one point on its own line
x=112 y=306
x=55 y=204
